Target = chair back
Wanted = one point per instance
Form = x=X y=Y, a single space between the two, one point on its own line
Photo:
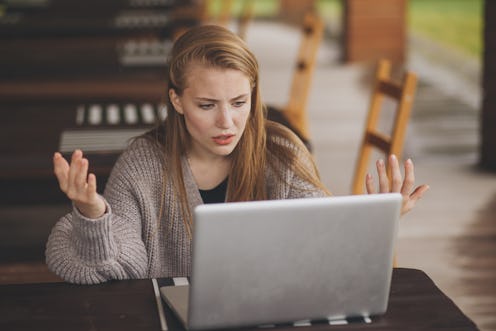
x=225 y=13
x=222 y=16
x=392 y=143
x=245 y=17
x=296 y=108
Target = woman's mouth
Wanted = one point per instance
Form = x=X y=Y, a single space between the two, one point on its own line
x=224 y=139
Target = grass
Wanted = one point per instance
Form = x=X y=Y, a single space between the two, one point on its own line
x=269 y=8
x=330 y=9
x=453 y=23
x=262 y=8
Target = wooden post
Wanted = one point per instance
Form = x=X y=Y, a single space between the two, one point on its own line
x=488 y=116
x=293 y=11
x=374 y=30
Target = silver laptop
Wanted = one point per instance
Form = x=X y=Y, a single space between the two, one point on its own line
x=280 y=261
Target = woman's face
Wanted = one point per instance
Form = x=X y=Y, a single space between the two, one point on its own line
x=216 y=104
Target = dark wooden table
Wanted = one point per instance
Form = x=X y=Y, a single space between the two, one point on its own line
x=416 y=303
x=94 y=18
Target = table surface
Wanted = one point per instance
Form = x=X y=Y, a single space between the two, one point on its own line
x=415 y=303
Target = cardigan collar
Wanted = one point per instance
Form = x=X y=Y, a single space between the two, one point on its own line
x=194 y=197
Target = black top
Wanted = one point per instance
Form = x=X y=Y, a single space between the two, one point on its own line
x=215 y=195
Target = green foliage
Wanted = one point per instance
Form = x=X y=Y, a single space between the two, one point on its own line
x=262 y=8
x=330 y=9
x=269 y=8
x=455 y=23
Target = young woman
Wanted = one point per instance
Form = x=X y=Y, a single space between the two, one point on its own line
x=214 y=146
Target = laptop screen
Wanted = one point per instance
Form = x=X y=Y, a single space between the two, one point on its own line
x=287 y=260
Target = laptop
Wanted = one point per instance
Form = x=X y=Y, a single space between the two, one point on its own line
x=282 y=261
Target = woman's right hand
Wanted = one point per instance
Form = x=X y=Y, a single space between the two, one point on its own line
x=80 y=187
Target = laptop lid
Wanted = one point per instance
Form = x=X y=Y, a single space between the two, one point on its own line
x=281 y=261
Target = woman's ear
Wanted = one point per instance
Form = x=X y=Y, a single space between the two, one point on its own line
x=176 y=101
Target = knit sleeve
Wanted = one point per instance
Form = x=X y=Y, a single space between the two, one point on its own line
x=86 y=251
x=90 y=251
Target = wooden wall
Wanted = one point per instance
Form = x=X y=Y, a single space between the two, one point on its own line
x=374 y=29
x=488 y=115
x=293 y=11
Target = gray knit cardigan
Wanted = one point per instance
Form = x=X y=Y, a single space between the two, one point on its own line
x=129 y=240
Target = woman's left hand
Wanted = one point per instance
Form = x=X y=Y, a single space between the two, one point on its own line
x=398 y=184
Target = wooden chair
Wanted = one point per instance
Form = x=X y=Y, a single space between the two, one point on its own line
x=294 y=114
x=245 y=17
x=402 y=94
x=202 y=13
x=222 y=17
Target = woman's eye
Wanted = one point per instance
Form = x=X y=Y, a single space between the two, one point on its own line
x=238 y=104
x=206 y=106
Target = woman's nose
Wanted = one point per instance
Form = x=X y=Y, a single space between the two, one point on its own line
x=224 y=117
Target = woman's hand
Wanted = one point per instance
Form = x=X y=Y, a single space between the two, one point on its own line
x=80 y=187
x=397 y=184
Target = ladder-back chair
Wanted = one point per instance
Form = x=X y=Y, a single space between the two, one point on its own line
x=294 y=114
x=202 y=13
x=222 y=16
x=245 y=17
x=402 y=94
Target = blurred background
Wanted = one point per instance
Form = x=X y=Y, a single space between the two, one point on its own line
x=90 y=75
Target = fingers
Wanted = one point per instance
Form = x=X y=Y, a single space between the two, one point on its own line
x=91 y=183
x=81 y=177
x=396 y=178
x=383 y=179
x=61 y=170
x=412 y=199
x=369 y=184
x=73 y=179
x=409 y=181
x=419 y=192
x=397 y=183
x=74 y=171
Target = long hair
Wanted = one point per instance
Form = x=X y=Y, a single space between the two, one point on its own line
x=217 y=47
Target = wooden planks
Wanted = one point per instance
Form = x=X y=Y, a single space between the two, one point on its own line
x=374 y=29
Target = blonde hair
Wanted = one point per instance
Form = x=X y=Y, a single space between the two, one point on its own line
x=217 y=47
